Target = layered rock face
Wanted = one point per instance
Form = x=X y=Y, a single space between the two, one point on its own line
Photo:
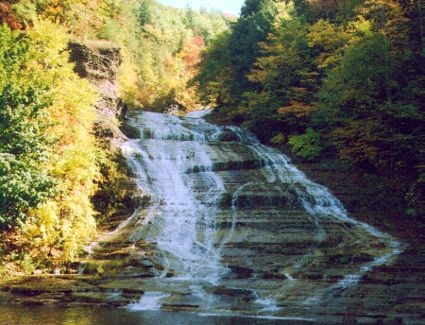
x=98 y=62
x=229 y=225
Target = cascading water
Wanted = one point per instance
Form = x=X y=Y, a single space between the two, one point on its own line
x=236 y=227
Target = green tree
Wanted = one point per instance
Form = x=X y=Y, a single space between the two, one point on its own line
x=253 y=27
x=285 y=78
x=306 y=145
x=23 y=142
x=214 y=73
x=364 y=77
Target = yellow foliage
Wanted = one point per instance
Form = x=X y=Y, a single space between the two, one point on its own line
x=299 y=109
x=67 y=222
x=128 y=81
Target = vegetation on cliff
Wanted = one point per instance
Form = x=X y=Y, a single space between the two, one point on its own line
x=161 y=45
x=338 y=79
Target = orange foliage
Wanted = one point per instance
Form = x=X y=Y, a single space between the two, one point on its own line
x=191 y=54
x=299 y=109
x=7 y=16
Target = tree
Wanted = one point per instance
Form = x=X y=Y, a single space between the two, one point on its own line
x=215 y=72
x=363 y=78
x=253 y=27
x=23 y=122
x=349 y=73
x=306 y=145
x=284 y=77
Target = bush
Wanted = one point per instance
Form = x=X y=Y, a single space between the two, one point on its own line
x=23 y=121
x=49 y=157
x=278 y=139
x=306 y=145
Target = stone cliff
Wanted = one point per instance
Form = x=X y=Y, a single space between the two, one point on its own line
x=98 y=61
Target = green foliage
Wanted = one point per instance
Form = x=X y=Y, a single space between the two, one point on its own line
x=23 y=122
x=50 y=162
x=363 y=78
x=328 y=41
x=49 y=159
x=278 y=139
x=306 y=145
x=65 y=222
x=155 y=41
x=226 y=63
x=352 y=71
x=283 y=71
x=23 y=146
x=214 y=73
x=252 y=28
x=152 y=37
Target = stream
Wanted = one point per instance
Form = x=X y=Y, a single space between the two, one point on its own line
x=229 y=231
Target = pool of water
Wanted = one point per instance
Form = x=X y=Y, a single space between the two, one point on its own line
x=53 y=315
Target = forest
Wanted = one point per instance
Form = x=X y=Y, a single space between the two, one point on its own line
x=331 y=80
x=341 y=80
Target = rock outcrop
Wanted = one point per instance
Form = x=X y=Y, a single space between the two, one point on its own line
x=98 y=62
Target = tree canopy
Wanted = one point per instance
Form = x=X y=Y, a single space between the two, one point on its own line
x=342 y=78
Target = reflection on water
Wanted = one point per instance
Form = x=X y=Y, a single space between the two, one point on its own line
x=89 y=315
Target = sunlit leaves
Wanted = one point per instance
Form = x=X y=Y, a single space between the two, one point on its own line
x=23 y=123
x=49 y=158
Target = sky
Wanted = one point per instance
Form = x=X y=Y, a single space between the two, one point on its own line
x=226 y=6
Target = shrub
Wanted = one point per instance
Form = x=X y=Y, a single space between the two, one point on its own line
x=306 y=145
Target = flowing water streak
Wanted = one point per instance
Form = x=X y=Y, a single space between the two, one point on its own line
x=149 y=301
x=165 y=152
x=318 y=202
x=234 y=207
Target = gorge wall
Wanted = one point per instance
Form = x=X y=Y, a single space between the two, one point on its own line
x=99 y=62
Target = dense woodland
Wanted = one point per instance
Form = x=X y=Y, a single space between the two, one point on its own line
x=338 y=79
x=51 y=164
x=335 y=79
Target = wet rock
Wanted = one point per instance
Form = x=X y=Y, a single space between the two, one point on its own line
x=147 y=263
x=89 y=297
x=274 y=276
x=181 y=302
x=344 y=259
x=240 y=272
x=231 y=292
x=228 y=135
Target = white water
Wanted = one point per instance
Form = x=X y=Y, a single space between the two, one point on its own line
x=187 y=225
x=149 y=301
x=184 y=225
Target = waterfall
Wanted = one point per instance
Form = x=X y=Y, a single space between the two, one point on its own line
x=236 y=225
